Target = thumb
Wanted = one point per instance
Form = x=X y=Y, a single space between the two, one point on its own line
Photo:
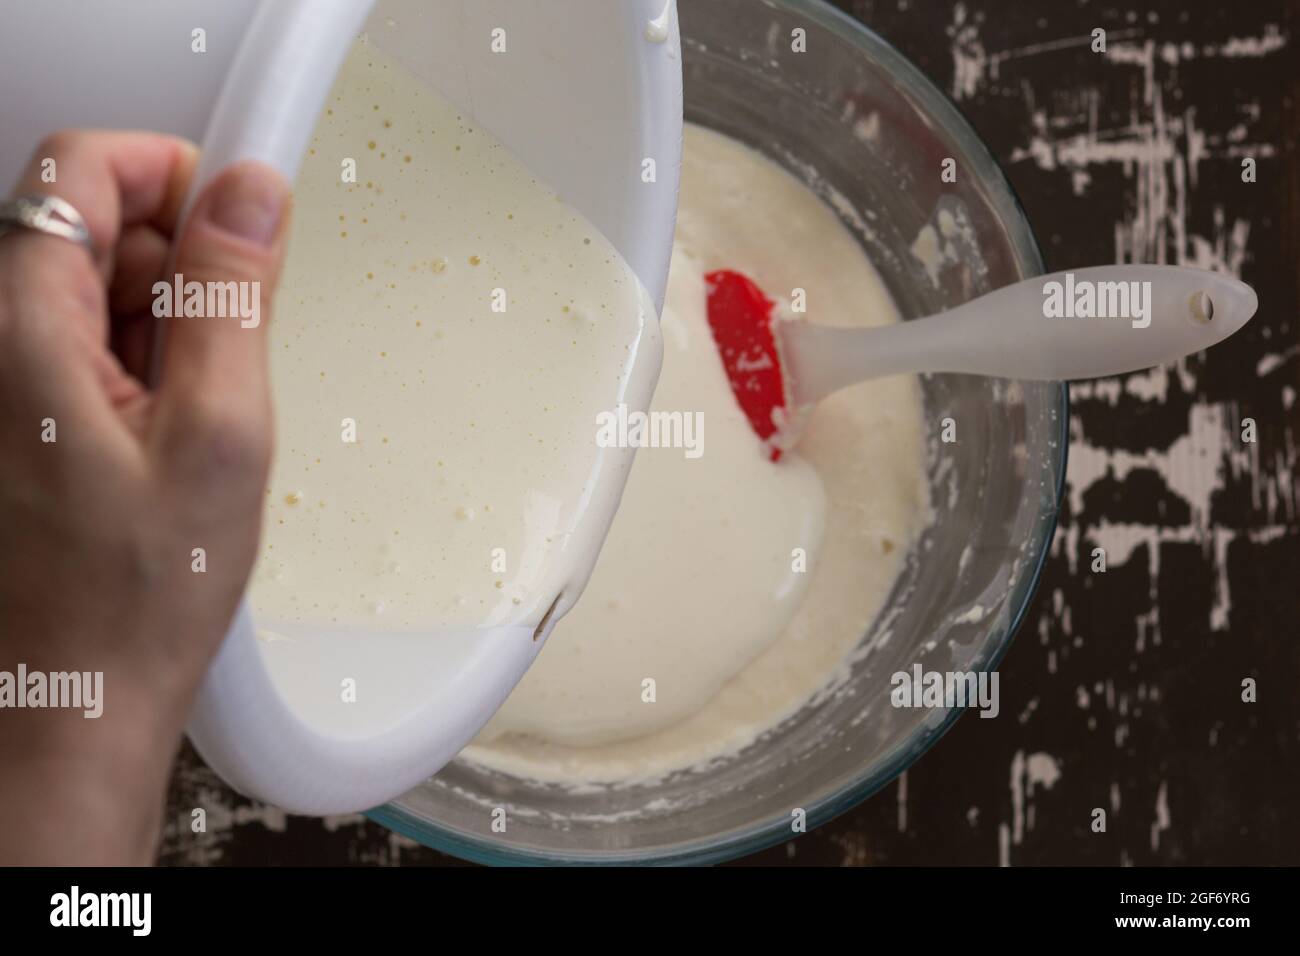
x=214 y=357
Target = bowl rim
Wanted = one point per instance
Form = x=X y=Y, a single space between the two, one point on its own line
x=712 y=849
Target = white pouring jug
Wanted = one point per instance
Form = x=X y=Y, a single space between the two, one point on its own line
x=589 y=90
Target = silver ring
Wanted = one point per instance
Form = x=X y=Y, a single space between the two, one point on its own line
x=48 y=214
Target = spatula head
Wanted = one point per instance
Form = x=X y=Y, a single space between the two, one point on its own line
x=741 y=318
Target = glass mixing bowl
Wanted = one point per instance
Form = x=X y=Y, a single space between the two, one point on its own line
x=857 y=122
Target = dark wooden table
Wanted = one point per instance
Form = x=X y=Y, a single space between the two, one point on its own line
x=1123 y=690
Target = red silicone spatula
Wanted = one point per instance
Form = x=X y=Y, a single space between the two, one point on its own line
x=740 y=316
x=1087 y=323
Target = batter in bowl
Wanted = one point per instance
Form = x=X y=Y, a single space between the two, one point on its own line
x=730 y=589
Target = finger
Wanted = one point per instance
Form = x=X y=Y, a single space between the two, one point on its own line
x=214 y=379
x=142 y=253
x=114 y=180
x=132 y=342
x=54 y=364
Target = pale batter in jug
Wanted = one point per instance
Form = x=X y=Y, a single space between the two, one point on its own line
x=446 y=333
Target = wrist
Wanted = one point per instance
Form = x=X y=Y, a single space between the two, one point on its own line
x=78 y=789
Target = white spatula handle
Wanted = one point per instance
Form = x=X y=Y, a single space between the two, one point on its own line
x=1080 y=324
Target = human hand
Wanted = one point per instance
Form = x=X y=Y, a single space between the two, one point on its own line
x=108 y=485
